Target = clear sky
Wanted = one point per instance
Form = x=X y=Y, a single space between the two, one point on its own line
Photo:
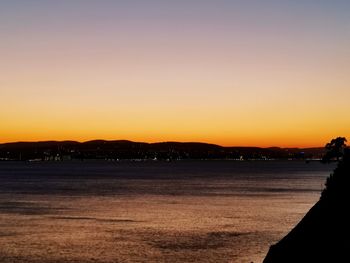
x=250 y=72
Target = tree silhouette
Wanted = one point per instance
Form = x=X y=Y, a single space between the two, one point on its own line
x=335 y=149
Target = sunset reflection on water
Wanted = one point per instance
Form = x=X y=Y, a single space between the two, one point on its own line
x=196 y=211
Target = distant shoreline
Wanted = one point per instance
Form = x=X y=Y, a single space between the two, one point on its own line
x=160 y=161
x=128 y=150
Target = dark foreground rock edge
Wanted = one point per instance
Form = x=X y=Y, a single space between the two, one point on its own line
x=323 y=235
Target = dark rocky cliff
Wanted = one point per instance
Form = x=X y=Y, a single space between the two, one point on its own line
x=323 y=235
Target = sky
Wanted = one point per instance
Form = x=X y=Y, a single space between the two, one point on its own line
x=234 y=73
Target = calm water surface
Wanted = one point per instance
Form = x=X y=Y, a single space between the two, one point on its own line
x=185 y=211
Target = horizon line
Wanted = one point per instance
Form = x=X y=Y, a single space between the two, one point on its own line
x=170 y=141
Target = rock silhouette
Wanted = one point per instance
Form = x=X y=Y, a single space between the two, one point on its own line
x=323 y=235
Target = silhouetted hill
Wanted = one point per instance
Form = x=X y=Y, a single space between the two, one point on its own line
x=323 y=235
x=123 y=149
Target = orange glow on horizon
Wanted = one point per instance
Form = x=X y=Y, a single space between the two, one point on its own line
x=301 y=142
x=228 y=73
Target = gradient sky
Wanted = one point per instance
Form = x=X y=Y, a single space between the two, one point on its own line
x=244 y=72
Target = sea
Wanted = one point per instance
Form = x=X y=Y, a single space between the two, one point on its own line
x=152 y=211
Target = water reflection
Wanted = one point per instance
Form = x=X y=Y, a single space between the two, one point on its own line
x=151 y=212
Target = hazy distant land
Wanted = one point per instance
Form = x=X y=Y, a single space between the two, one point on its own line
x=123 y=149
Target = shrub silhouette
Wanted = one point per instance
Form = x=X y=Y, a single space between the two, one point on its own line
x=334 y=149
x=338 y=182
